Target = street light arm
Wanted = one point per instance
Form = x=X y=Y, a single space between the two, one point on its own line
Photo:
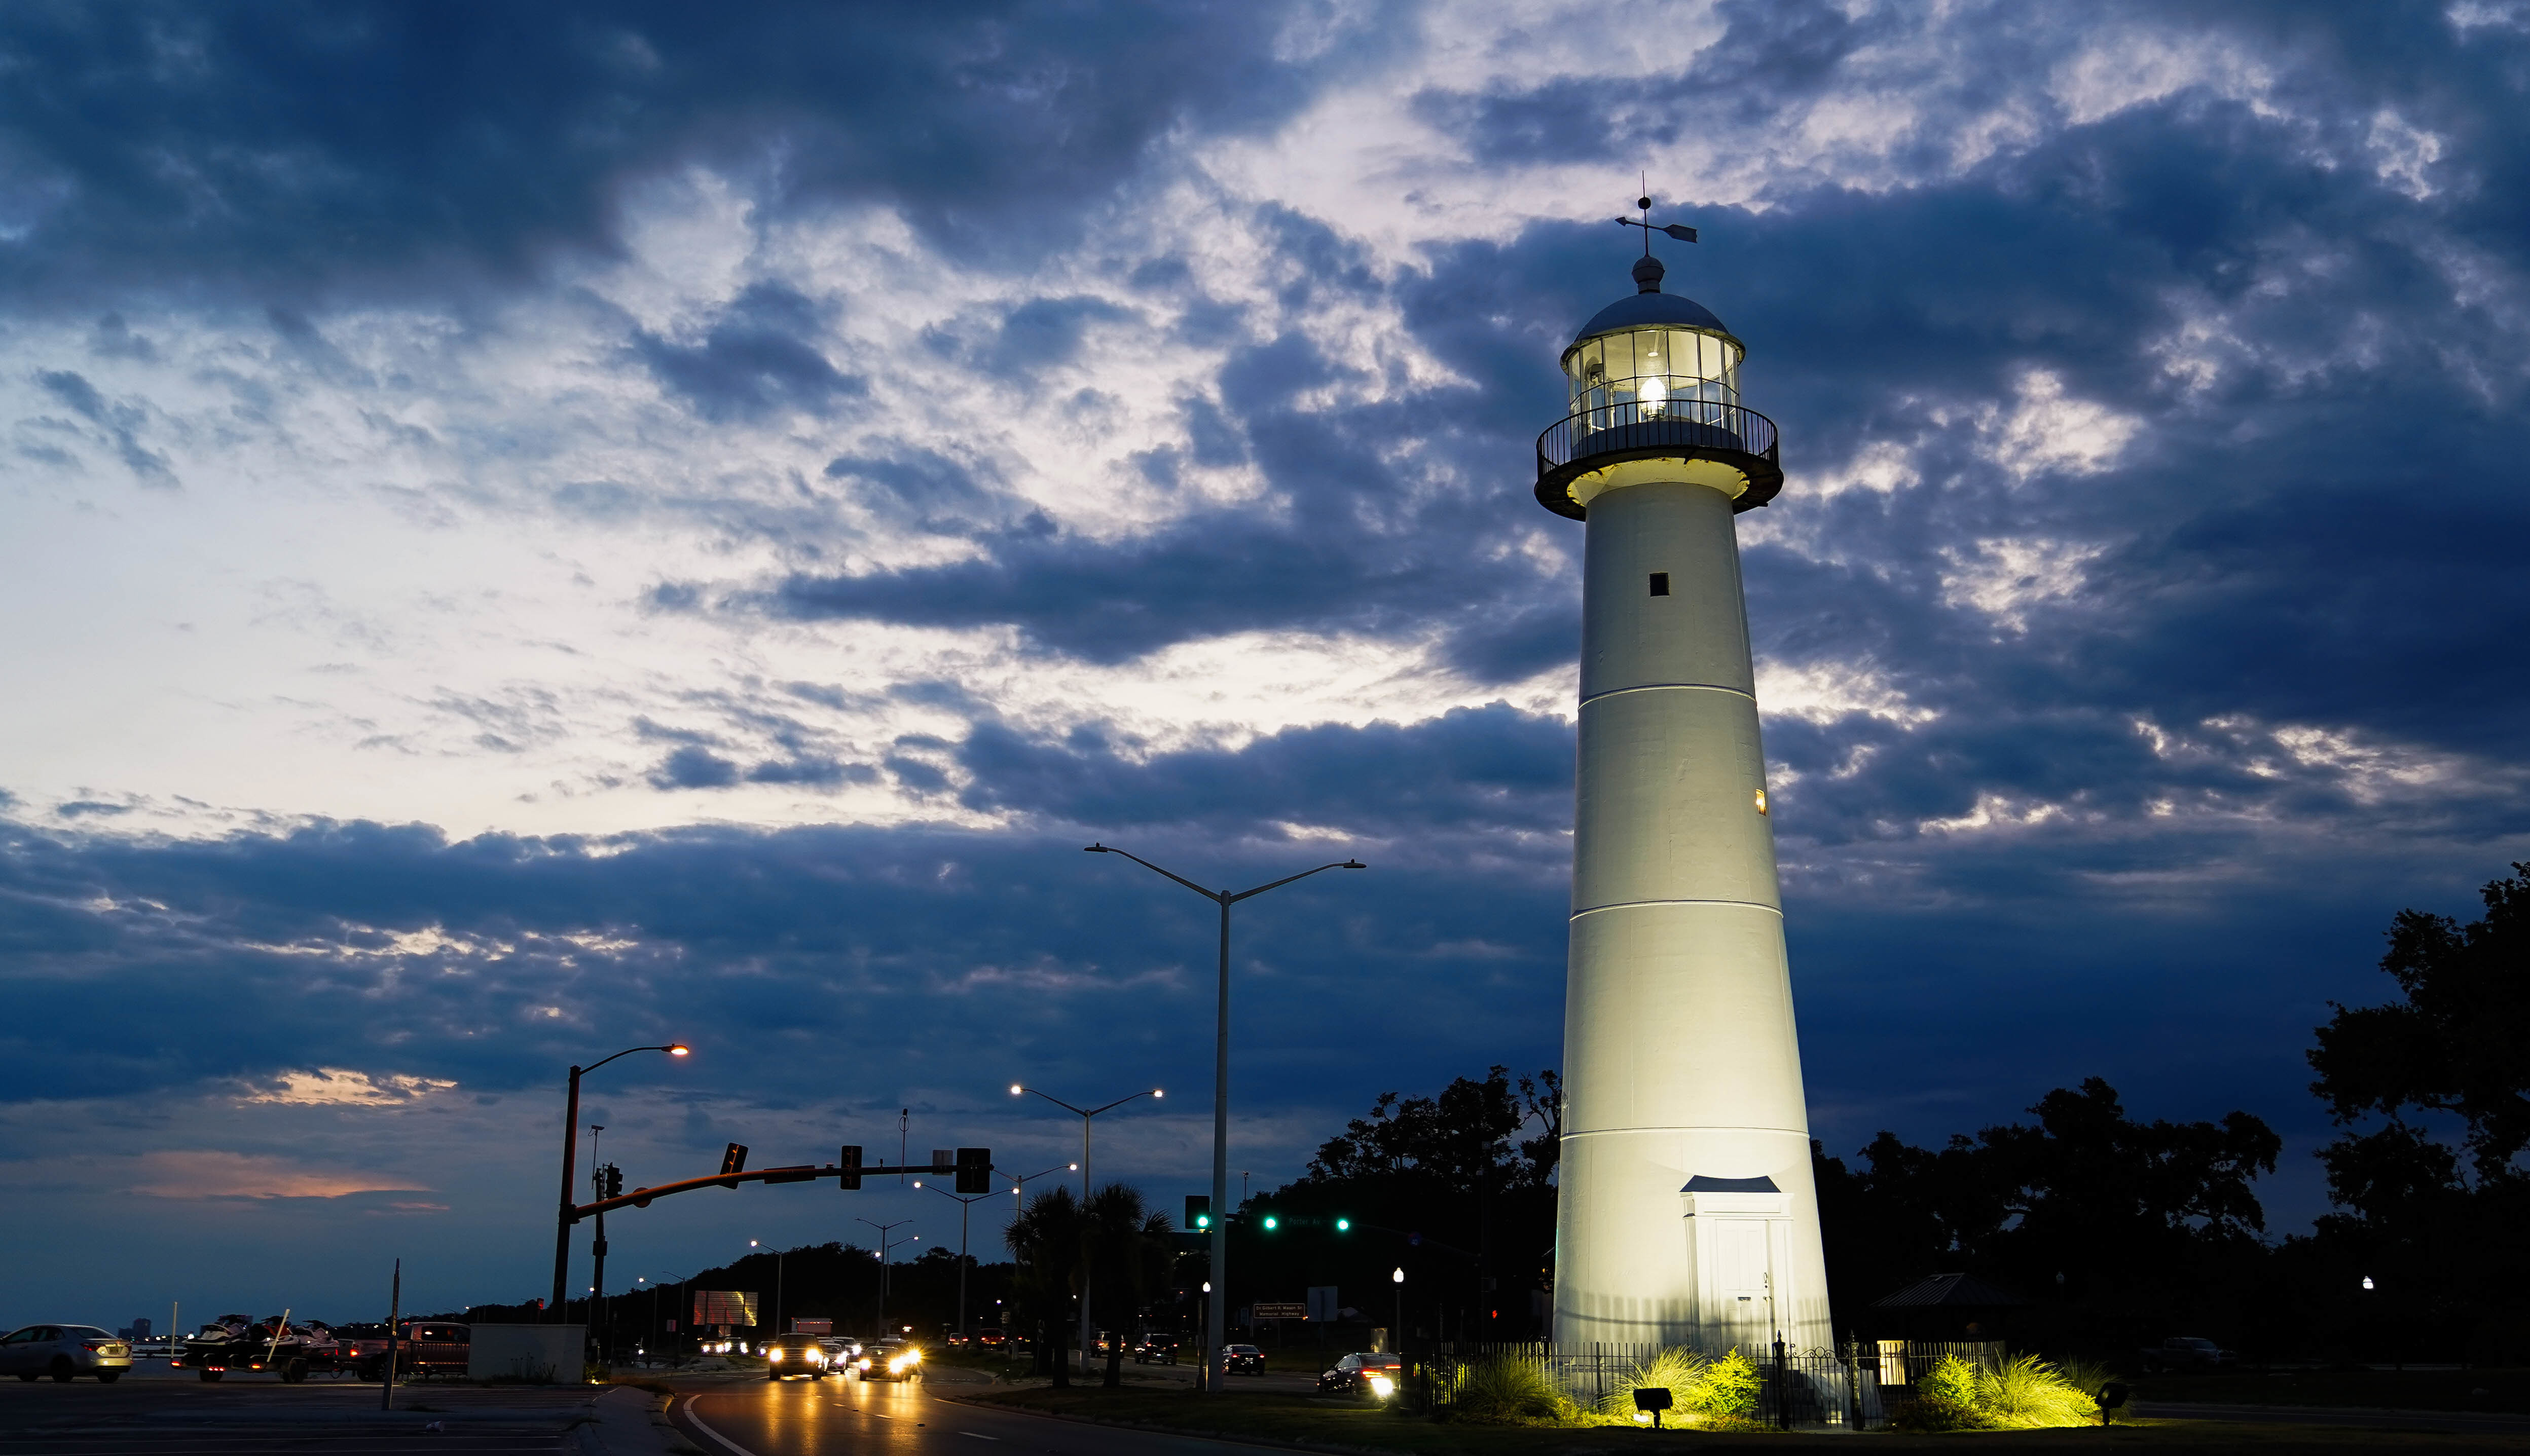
x=1232 y=899
x=627 y=1051
x=1059 y=1103
x=1214 y=896
x=1118 y=1103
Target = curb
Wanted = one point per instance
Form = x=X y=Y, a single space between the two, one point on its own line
x=1327 y=1447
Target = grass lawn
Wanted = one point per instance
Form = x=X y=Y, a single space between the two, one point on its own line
x=1299 y=1420
x=2386 y=1389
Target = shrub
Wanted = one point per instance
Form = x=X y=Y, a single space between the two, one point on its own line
x=1679 y=1371
x=1928 y=1414
x=1508 y=1388
x=2027 y=1391
x=1726 y=1390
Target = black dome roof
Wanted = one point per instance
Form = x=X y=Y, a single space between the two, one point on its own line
x=1651 y=310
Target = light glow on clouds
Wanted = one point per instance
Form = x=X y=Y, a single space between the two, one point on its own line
x=343 y=1087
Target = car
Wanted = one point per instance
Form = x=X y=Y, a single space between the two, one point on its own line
x=1156 y=1349
x=841 y=1351
x=1364 y=1372
x=64 y=1352
x=891 y=1360
x=2186 y=1352
x=788 y=1355
x=991 y=1340
x=1242 y=1360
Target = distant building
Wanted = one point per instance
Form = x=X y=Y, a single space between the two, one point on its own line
x=139 y=1328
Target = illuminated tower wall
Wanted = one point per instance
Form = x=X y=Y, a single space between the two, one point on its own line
x=1687 y=1214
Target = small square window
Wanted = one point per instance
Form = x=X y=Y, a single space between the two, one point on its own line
x=1660 y=584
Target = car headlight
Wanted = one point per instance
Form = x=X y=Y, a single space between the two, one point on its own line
x=1382 y=1386
x=772 y=1353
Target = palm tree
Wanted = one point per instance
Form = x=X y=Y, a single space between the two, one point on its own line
x=1047 y=1239
x=1124 y=1253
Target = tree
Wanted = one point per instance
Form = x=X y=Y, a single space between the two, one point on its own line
x=1446 y=1186
x=2447 y=1063
x=2141 y=1218
x=1047 y=1239
x=2458 y=1043
x=1124 y=1256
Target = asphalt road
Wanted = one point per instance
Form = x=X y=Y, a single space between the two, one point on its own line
x=186 y=1416
x=857 y=1417
x=2490 y=1424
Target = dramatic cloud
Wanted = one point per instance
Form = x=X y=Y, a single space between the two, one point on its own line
x=542 y=530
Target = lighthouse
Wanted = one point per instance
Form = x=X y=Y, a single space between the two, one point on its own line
x=1686 y=1212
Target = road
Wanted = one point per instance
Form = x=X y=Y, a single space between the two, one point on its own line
x=142 y=1416
x=866 y=1417
x=2487 y=1423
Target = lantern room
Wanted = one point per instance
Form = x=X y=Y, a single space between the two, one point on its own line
x=1649 y=379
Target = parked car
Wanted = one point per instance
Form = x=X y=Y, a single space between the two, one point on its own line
x=1364 y=1374
x=891 y=1360
x=1242 y=1360
x=2188 y=1353
x=1156 y=1349
x=64 y=1352
x=788 y=1355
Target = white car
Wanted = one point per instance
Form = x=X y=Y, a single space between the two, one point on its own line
x=64 y=1352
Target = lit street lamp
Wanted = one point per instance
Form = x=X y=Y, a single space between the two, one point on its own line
x=1213 y=1313
x=777 y=1283
x=965 y=1201
x=1085 y=1114
x=1397 y=1337
x=884 y=1244
x=571 y=1162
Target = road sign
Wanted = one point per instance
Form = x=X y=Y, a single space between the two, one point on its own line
x=1265 y=1311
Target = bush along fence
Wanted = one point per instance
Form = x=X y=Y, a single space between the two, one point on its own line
x=1743 y=1389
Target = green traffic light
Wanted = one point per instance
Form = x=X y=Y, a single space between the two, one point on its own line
x=1272 y=1224
x=1203 y=1220
x=1343 y=1226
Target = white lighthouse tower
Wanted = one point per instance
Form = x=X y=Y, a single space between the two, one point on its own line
x=1687 y=1214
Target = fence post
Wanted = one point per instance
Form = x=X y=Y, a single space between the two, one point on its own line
x=1783 y=1392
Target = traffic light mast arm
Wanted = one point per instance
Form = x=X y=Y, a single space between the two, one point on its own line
x=1420 y=1240
x=640 y=1197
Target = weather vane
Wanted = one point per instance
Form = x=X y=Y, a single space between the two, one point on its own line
x=1678 y=230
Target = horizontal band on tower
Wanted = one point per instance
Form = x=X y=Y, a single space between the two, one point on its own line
x=1643 y=904
x=1736 y=692
x=1609 y=1132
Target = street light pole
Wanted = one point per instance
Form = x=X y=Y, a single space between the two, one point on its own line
x=883 y=1247
x=965 y=1203
x=1086 y=1113
x=1213 y=1319
x=777 y=1283
x=571 y=1168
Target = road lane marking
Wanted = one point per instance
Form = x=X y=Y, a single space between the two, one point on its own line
x=979 y=1436
x=696 y=1416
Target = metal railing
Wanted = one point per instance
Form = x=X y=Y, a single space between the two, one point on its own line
x=1647 y=425
x=1835 y=1388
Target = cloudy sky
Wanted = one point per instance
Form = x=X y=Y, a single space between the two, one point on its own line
x=528 y=530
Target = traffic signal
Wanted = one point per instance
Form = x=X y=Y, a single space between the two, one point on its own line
x=975 y=1170
x=732 y=1160
x=1272 y=1224
x=1343 y=1226
x=849 y=1160
x=614 y=1181
x=1198 y=1218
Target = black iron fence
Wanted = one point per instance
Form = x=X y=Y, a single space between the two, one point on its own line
x=1837 y=1388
